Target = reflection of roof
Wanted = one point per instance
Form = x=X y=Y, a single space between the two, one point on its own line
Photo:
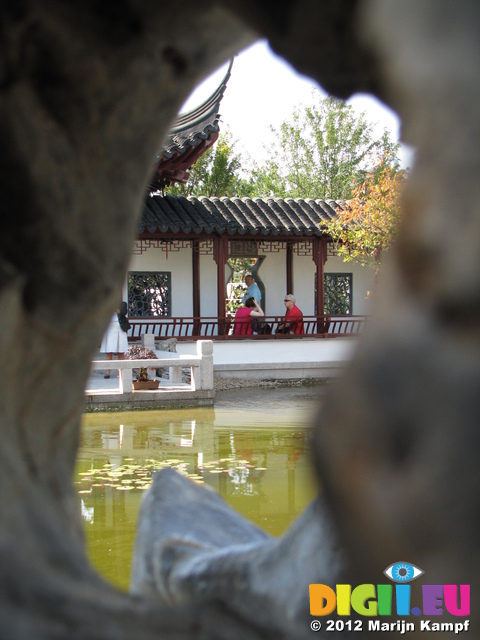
x=258 y=216
x=191 y=135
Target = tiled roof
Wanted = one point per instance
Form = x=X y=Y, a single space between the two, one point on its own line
x=191 y=135
x=192 y=126
x=257 y=216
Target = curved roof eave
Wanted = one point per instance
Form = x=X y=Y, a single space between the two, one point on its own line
x=198 y=123
x=207 y=108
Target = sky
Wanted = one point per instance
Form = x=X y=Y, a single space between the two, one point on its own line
x=263 y=91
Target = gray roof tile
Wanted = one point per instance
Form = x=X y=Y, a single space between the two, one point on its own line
x=235 y=216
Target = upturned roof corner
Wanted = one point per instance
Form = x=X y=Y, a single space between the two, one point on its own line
x=193 y=132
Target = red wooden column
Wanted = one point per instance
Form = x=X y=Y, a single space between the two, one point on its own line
x=319 y=256
x=289 y=268
x=220 y=255
x=195 y=284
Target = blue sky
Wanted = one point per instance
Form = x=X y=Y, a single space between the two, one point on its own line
x=264 y=89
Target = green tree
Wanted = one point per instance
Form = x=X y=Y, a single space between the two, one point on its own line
x=367 y=226
x=324 y=151
x=215 y=173
x=267 y=180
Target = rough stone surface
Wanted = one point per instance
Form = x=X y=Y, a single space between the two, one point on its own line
x=192 y=547
x=402 y=451
x=168 y=345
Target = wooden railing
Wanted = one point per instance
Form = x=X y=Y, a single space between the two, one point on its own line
x=214 y=328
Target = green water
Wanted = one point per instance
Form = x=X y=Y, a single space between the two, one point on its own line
x=251 y=448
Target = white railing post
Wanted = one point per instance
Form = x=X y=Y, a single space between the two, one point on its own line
x=125 y=383
x=148 y=341
x=202 y=376
x=175 y=374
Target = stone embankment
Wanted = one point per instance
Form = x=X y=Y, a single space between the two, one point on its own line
x=223 y=384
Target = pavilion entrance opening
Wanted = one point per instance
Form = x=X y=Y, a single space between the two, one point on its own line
x=237 y=269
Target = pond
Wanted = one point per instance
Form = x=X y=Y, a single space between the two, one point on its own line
x=251 y=447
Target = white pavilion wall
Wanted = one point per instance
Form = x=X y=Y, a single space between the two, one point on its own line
x=179 y=264
x=272 y=273
x=304 y=283
x=274 y=277
x=363 y=281
x=208 y=286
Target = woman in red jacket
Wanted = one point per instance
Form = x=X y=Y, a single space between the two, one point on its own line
x=242 y=324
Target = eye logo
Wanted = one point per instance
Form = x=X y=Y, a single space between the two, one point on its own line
x=403 y=572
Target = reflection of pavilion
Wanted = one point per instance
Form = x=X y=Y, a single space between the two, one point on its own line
x=270 y=487
x=277 y=485
x=267 y=467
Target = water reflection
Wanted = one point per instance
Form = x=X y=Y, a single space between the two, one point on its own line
x=251 y=448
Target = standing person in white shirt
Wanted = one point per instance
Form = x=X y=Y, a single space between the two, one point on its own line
x=115 y=339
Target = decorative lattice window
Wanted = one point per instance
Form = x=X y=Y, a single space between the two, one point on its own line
x=338 y=293
x=149 y=293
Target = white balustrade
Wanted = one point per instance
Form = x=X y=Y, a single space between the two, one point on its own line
x=200 y=365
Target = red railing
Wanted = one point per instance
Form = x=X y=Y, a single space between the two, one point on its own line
x=221 y=328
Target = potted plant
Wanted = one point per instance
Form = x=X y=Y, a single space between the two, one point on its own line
x=143 y=381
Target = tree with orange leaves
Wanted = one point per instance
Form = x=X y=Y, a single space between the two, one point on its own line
x=367 y=225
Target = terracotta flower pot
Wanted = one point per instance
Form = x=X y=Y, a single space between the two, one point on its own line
x=139 y=385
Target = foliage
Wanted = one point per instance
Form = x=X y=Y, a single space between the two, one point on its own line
x=368 y=224
x=324 y=151
x=215 y=173
x=240 y=267
x=267 y=179
x=138 y=352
